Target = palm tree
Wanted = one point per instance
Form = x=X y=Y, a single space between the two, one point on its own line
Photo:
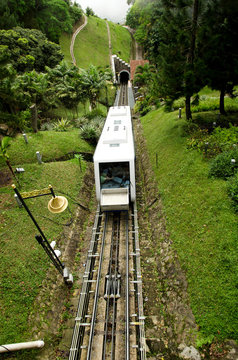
x=93 y=80
x=34 y=86
x=66 y=81
x=144 y=77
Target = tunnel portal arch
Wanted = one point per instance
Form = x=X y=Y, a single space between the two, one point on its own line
x=124 y=76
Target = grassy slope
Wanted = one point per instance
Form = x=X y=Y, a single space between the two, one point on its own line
x=51 y=144
x=23 y=263
x=65 y=41
x=201 y=222
x=91 y=44
x=121 y=41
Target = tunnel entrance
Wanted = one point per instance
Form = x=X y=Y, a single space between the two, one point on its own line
x=124 y=77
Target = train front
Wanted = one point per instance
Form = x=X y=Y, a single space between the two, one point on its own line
x=114 y=162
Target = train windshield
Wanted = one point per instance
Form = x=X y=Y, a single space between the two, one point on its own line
x=114 y=175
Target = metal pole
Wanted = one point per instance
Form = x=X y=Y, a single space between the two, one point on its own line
x=25 y=138
x=180 y=113
x=51 y=253
x=57 y=261
x=52 y=191
x=39 y=157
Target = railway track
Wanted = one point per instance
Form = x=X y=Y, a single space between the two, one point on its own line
x=123 y=97
x=110 y=323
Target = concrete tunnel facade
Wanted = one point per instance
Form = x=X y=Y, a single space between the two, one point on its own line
x=124 y=76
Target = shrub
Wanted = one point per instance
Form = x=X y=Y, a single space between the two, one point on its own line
x=221 y=140
x=224 y=165
x=232 y=189
x=61 y=125
x=95 y=113
x=179 y=103
x=46 y=126
x=91 y=131
x=143 y=106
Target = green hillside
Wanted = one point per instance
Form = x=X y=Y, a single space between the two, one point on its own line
x=201 y=223
x=121 y=41
x=91 y=44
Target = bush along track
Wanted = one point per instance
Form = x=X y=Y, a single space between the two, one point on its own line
x=171 y=330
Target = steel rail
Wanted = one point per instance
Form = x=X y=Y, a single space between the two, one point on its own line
x=138 y=285
x=92 y=326
x=116 y=273
x=81 y=320
x=127 y=310
x=111 y=286
x=109 y=280
x=123 y=98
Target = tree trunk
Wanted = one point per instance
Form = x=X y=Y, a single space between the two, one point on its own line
x=11 y=169
x=34 y=117
x=194 y=31
x=222 y=105
x=188 y=108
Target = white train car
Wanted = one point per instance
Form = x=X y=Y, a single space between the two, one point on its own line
x=114 y=161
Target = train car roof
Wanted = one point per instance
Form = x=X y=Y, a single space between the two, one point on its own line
x=116 y=142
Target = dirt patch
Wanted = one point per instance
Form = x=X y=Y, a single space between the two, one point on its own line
x=5 y=177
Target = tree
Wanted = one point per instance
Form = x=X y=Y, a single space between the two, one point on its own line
x=54 y=19
x=34 y=87
x=144 y=78
x=5 y=143
x=66 y=80
x=7 y=19
x=30 y=49
x=168 y=32
x=92 y=82
x=50 y=16
x=219 y=47
x=89 y=11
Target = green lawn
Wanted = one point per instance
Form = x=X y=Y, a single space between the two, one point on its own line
x=201 y=223
x=50 y=144
x=24 y=264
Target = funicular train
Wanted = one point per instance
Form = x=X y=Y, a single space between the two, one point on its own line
x=114 y=161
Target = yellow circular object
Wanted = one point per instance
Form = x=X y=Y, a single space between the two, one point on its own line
x=57 y=204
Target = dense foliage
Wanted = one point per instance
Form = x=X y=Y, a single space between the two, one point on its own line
x=192 y=43
x=28 y=49
x=232 y=189
x=52 y=17
x=224 y=165
x=41 y=82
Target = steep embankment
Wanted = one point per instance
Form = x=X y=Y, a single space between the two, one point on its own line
x=202 y=227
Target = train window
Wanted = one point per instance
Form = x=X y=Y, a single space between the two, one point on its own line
x=114 y=145
x=117 y=122
x=114 y=175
